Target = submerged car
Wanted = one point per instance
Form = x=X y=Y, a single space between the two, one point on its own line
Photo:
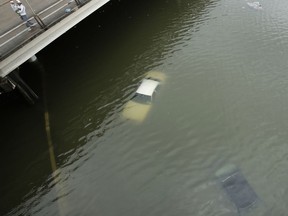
x=139 y=106
x=237 y=188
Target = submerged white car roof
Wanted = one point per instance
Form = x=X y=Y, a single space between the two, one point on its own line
x=147 y=87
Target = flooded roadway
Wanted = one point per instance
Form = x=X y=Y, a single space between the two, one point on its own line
x=224 y=102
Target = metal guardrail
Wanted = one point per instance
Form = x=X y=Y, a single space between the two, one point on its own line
x=13 y=32
x=47 y=36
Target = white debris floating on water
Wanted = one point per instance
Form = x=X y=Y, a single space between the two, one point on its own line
x=255 y=5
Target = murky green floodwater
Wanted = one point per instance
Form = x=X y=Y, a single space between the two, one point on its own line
x=225 y=101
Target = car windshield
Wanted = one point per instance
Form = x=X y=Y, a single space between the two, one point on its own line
x=155 y=79
x=140 y=98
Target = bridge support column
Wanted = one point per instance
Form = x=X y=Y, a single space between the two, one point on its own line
x=6 y=85
x=29 y=95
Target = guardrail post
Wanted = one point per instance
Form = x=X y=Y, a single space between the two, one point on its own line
x=78 y=2
x=39 y=21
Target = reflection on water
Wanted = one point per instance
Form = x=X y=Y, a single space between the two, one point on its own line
x=225 y=102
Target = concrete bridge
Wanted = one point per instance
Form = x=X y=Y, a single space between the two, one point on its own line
x=19 y=44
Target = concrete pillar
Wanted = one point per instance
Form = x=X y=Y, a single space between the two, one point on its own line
x=23 y=88
x=32 y=58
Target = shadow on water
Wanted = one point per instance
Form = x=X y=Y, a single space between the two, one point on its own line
x=31 y=158
x=24 y=162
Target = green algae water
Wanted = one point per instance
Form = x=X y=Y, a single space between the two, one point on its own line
x=224 y=101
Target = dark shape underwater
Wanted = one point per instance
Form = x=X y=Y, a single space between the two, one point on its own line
x=237 y=188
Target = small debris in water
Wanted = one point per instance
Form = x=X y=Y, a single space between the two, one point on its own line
x=255 y=5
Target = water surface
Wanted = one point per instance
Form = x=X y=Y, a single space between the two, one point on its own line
x=224 y=102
